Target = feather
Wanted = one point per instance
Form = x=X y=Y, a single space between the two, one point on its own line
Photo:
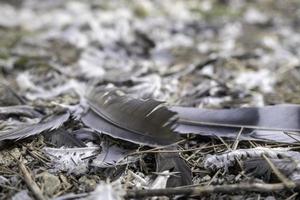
x=259 y=167
x=140 y=121
x=112 y=156
x=232 y=132
x=228 y=159
x=92 y=120
x=71 y=160
x=50 y=122
x=78 y=160
x=88 y=135
x=279 y=117
x=62 y=137
x=265 y=123
x=173 y=162
x=19 y=110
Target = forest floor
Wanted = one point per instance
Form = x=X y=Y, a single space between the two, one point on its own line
x=204 y=54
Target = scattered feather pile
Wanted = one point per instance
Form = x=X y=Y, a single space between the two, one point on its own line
x=226 y=61
x=150 y=122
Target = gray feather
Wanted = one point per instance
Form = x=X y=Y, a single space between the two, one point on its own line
x=265 y=123
x=51 y=122
x=227 y=159
x=279 y=117
x=19 y=110
x=92 y=120
x=62 y=137
x=140 y=121
x=259 y=167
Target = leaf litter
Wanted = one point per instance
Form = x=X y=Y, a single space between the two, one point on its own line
x=94 y=103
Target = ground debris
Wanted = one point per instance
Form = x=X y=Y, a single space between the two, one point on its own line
x=58 y=142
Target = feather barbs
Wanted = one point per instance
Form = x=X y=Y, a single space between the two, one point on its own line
x=144 y=118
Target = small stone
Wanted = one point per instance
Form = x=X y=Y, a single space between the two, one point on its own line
x=7 y=159
x=230 y=178
x=51 y=183
x=87 y=184
x=206 y=178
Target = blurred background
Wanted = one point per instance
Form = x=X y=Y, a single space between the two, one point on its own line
x=219 y=53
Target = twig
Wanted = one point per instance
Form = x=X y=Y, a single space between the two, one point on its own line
x=214 y=177
x=208 y=189
x=194 y=153
x=227 y=146
x=174 y=151
x=9 y=187
x=293 y=196
x=253 y=144
x=236 y=142
x=290 y=134
x=30 y=182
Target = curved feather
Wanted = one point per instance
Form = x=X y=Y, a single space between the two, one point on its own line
x=94 y=121
x=140 y=121
x=23 y=110
x=51 y=122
